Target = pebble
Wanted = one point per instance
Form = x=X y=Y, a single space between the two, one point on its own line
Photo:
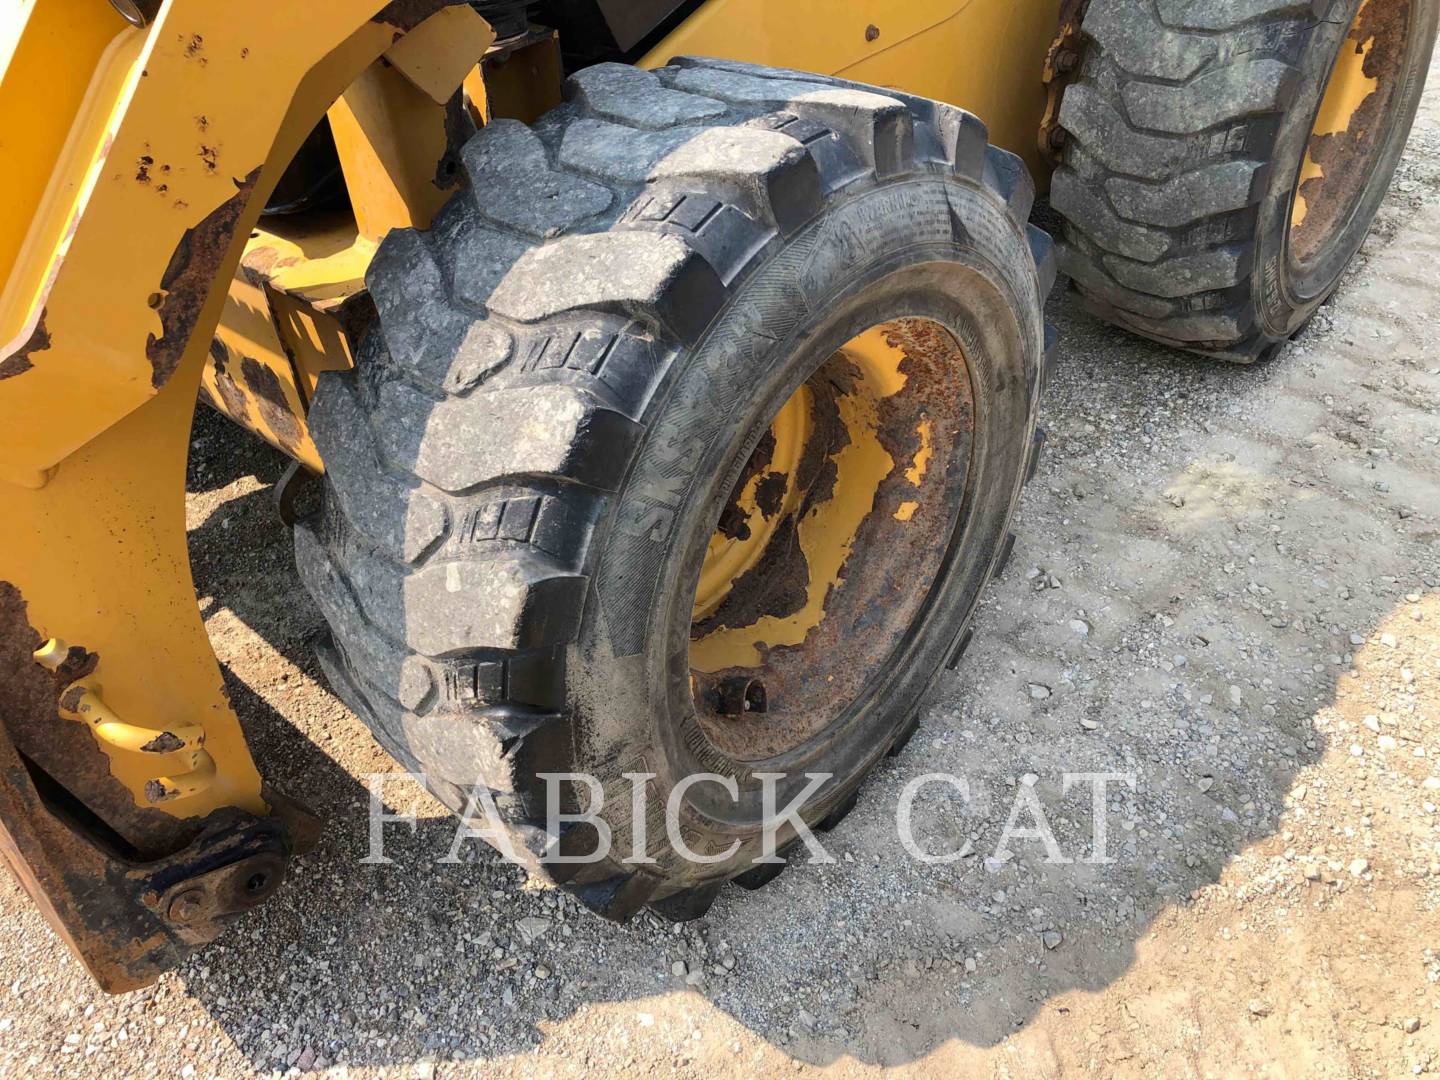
x=1359 y=866
x=1051 y=939
x=1039 y=691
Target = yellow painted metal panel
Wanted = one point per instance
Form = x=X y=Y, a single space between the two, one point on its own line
x=391 y=137
x=56 y=44
x=983 y=55
x=99 y=556
x=106 y=335
x=250 y=378
x=208 y=100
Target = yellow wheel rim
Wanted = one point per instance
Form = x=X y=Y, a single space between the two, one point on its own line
x=1349 y=125
x=850 y=473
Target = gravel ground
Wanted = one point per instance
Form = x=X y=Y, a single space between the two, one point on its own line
x=1227 y=586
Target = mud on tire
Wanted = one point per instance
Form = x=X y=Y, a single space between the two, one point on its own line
x=571 y=370
x=1187 y=131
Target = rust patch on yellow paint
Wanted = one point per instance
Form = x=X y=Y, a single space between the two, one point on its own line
x=405 y=15
x=187 y=281
x=841 y=547
x=18 y=362
x=1350 y=125
x=916 y=472
x=271 y=401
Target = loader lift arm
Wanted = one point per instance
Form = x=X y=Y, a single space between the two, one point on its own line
x=161 y=142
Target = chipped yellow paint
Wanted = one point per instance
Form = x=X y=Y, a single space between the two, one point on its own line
x=1348 y=89
x=916 y=472
x=120 y=142
x=906 y=511
x=827 y=532
x=727 y=559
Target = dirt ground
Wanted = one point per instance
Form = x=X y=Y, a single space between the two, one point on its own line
x=1227 y=587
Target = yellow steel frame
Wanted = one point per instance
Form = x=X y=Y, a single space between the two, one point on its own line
x=135 y=188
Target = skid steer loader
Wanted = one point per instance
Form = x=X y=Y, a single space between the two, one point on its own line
x=660 y=376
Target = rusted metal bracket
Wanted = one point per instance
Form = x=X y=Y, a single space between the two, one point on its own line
x=1062 y=64
x=128 y=920
x=132 y=890
x=81 y=700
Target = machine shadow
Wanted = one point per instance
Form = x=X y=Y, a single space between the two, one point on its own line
x=436 y=961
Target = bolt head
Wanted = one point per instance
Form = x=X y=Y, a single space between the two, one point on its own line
x=187 y=905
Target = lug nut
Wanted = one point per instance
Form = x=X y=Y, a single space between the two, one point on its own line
x=739 y=695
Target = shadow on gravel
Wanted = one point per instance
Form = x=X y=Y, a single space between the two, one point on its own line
x=1126 y=637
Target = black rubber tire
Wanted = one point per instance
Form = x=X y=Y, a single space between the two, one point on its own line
x=564 y=366
x=1185 y=132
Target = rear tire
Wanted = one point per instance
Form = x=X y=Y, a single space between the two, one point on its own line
x=1186 y=132
x=571 y=370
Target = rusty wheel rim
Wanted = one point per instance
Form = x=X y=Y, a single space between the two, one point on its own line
x=822 y=559
x=1350 y=128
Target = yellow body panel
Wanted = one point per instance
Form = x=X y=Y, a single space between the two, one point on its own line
x=251 y=378
x=181 y=134
x=984 y=55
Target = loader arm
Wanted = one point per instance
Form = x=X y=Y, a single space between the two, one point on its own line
x=138 y=159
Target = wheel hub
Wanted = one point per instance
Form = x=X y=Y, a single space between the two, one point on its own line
x=837 y=524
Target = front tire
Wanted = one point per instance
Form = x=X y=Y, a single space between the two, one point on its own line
x=561 y=531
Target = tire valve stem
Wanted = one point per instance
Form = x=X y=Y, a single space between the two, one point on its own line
x=739 y=695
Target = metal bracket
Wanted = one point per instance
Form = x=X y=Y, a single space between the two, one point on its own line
x=1062 y=63
x=296 y=483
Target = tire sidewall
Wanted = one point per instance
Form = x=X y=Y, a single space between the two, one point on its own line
x=925 y=246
